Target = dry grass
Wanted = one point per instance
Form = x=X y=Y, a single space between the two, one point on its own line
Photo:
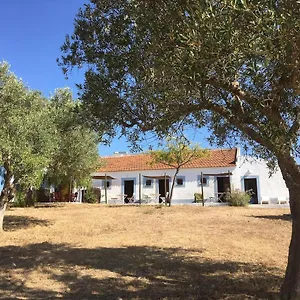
x=98 y=252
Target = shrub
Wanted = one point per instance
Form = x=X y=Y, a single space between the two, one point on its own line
x=90 y=195
x=19 y=200
x=24 y=198
x=42 y=195
x=238 y=198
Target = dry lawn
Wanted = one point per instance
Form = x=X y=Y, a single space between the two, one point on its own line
x=183 y=252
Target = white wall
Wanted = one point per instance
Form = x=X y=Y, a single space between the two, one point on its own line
x=181 y=194
x=269 y=188
x=186 y=194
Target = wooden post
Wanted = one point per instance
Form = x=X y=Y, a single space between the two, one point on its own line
x=202 y=188
x=165 y=188
x=70 y=191
x=105 y=188
x=140 y=188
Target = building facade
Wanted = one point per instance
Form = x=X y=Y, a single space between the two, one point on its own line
x=127 y=178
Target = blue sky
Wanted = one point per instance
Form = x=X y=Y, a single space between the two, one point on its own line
x=32 y=32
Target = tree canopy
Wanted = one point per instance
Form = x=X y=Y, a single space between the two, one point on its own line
x=75 y=155
x=26 y=129
x=152 y=65
x=231 y=65
x=41 y=138
x=176 y=153
x=25 y=135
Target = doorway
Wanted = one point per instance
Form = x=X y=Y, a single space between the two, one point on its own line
x=128 y=188
x=223 y=186
x=163 y=187
x=250 y=184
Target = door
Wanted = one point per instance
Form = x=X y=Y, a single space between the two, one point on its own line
x=163 y=187
x=128 y=190
x=250 y=184
x=223 y=185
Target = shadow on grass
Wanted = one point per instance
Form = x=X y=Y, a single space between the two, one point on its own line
x=128 y=273
x=283 y=217
x=12 y=223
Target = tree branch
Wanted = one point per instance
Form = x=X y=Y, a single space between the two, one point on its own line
x=296 y=124
x=221 y=110
x=234 y=88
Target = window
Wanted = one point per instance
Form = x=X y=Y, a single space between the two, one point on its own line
x=204 y=182
x=180 y=181
x=108 y=184
x=148 y=183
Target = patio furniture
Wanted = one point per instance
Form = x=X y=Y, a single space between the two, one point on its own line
x=163 y=199
x=116 y=200
x=145 y=199
x=128 y=199
x=154 y=198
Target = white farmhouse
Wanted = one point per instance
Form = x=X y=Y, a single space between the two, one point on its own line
x=131 y=178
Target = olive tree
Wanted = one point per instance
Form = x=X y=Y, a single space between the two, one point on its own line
x=232 y=65
x=25 y=136
x=75 y=155
x=176 y=153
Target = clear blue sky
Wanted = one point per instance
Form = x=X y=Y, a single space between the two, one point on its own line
x=32 y=32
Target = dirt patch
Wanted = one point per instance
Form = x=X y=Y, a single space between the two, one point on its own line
x=98 y=252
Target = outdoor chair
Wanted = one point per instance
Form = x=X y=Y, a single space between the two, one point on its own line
x=163 y=200
x=154 y=198
x=128 y=199
x=116 y=200
x=145 y=199
x=198 y=198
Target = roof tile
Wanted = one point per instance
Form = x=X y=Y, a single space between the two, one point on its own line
x=139 y=162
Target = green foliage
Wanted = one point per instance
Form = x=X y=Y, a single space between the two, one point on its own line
x=19 y=200
x=25 y=133
x=231 y=65
x=90 y=195
x=24 y=198
x=176 y=153
x=38 y=136
x=75 y=155
x=238 y=198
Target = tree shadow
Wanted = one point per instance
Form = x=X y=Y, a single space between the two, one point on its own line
x=130 y=273
x=12 y=223
x=283 y=217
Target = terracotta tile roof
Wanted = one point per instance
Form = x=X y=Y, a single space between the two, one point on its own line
x=139 y=162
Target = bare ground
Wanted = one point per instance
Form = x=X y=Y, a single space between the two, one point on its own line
x=182 y=252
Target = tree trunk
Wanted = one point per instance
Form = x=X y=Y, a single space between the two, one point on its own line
x=70 y=198
x=29 y=197
x=7 y=192
x=290 y=289
x=172 y=187
x=2 y=211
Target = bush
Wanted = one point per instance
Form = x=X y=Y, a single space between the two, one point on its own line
x=19 y=200
x=41 y=195
x=90 y=195
x=238 y=198
x=24 y=198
